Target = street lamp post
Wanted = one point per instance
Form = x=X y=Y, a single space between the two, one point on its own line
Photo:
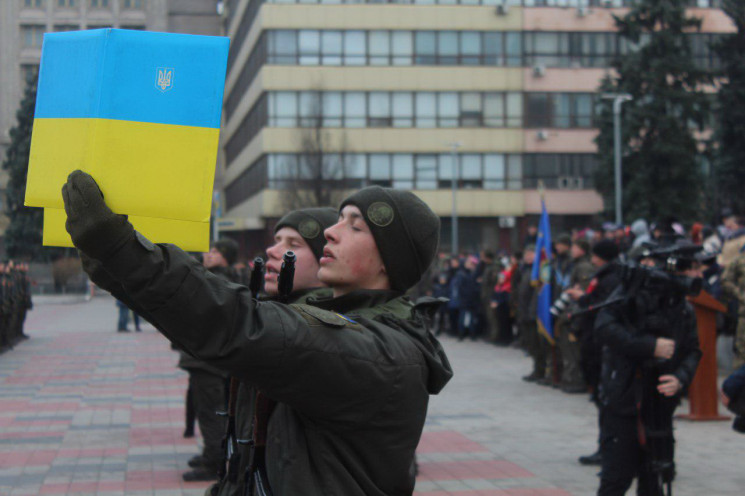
x=454 y=187
x=618 y=100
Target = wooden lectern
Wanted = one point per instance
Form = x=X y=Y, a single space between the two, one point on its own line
x=703 y=394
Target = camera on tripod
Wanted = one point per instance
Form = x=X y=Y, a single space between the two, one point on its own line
x=659 y=270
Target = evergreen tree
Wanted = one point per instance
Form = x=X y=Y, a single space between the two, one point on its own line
x=661 y=172
x=23 y=236
x=729 y=158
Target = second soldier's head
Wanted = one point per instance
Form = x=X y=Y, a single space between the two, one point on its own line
x=300 y=231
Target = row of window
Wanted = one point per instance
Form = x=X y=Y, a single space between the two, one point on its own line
x=492 y=171
x=406 y=109
x=93 y=4
x=489 y=48
x=32 y=35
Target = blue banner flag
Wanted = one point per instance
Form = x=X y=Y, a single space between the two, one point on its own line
x=541 y=276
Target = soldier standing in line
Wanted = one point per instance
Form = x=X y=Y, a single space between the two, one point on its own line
x=489 y=278
x=561 y=268
x=351 y=375
x=526 y=317
x=568 y=340
x=206 y=382
x=299 y=231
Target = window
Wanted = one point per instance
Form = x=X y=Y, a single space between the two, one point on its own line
x=133 y=4
x=99 y=4
x=447 y=48
x=403 y=109
x=403 y=48
x=380 y=169
x=470 y=46
x=331 y=47
x=380 y=109
x=283 y=46
x=470 y=171
x=380 y=47
x=494 y=171
x=354 y=48
x=471 y=114
x=354 y=109
x=66 y=3
x=426 y=172
x=403 y=171
x=425 y=48
x=32 y=36
x=447 y=108
x=309 y=43
x=136 y=28
x=284 y=110
x=33 y=4
x=332 y=109
x=559 y=110
x=426 y=109
x=355 y=169
x=560 y=170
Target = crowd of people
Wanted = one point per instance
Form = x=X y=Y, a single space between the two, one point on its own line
x=15 y=302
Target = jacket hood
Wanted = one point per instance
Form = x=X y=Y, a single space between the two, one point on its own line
x=639 y=227
x=440 y=371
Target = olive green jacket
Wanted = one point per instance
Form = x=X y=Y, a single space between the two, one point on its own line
x=352 y=383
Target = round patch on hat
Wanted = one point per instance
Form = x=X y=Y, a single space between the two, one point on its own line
x=380 y=214
x=309 y=228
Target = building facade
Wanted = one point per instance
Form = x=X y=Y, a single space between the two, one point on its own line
x=390 y=89
x=24 y=22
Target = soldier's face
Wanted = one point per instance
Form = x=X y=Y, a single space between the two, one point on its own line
x=350 y=258
x=306 y=265
x=214 y=258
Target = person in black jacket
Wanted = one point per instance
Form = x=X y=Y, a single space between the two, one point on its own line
x=650 y=355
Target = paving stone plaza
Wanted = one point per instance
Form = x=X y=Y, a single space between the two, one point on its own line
x=87 y=410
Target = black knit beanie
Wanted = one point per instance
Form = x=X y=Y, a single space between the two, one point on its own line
x=310 y=224
x=405 y=229
x=605 y=249
x=228 y=248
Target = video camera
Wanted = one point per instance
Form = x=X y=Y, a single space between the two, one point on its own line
x=658 y=270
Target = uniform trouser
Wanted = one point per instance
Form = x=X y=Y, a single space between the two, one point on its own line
x=4 y=334
x=209 y=398
x=20 y=320
x=569 y=347
x=123 y=318
x=623 y=458
x=504 y=324
x=190 y=411
x=739 y=343
x=536 y=346
x=467 y=323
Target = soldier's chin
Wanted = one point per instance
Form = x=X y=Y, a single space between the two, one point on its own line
x=326 y=276
x=270 y=288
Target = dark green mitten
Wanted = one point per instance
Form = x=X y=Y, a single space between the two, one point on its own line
x=95 y=229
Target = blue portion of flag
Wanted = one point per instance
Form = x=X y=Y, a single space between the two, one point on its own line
x=541 y=275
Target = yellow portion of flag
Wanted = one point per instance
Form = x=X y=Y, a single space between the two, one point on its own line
x=189 y=236
x=146 y=170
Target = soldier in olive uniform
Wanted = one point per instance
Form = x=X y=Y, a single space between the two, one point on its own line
x=572 y=380
x=733 y=287
x=206 y=382
x=299 y=231
x=526 y=317
x=5 y=340
x=351 y=375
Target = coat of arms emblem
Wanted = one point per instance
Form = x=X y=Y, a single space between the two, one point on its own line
x=164 y=79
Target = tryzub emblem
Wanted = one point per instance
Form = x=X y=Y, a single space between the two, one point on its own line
x=380 y=214
x=309 y=228
x=164 y=78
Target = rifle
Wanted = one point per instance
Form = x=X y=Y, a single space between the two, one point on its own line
x=230 y=467
x=257 y=480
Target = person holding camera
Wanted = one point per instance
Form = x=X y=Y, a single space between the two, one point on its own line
x=650 y=355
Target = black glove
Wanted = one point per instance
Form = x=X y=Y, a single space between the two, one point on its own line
x=95 y=229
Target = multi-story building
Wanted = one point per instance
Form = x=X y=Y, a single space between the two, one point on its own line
x=24 y=22
x=397 y=85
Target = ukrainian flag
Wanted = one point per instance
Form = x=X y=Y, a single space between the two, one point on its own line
x=139 y=111
x=541 y=275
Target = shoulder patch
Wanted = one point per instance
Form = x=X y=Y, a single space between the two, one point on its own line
x=315 y=316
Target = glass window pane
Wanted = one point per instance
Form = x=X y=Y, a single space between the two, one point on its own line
x=310 y=108
x=494 y=110
x=445 y=166
x=493 y=48
x=514 y=172
x=403 y=109
x=380 y=109
x=514 y=109
x=561 y=110
x=425 y=48
x=284 y=46
x=380 y=166
x=470 y=166
x=355 y=166
x=426 y=171
x=403 y=47
x=354 y=48
x=426 y=108
x=354 y=109
x=447 y=47
x=447 y=109
x=583 y=110
x=309 y=43
x=403 y=171
x=331 y=47
x=332 y=109
x=494 y=171
x=470 y=47
x=286 y=108
x=380 y=47
x=514 y=48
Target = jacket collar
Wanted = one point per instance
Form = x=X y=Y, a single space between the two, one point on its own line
x=361 y=298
